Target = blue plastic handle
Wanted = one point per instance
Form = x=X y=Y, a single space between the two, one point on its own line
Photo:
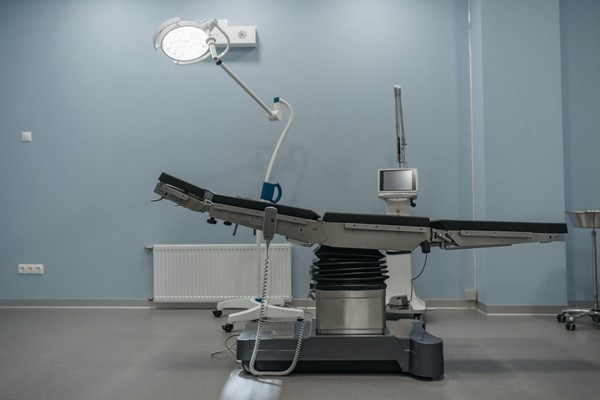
x=268 y=191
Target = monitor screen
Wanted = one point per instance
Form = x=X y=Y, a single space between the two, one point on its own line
x=398 y=180
x=398 y=183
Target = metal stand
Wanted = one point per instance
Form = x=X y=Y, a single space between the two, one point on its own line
x=402 y=299
x=585 y=219
x=275 y=308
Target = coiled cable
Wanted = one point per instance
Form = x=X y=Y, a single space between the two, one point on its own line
x=261 y=319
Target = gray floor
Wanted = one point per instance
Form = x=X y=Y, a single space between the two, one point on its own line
x=70 y=354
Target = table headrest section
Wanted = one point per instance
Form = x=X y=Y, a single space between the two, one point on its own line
x=375 y=219
x=183 y=185
x=533 y=227
x=261 y=205
x=235 y=201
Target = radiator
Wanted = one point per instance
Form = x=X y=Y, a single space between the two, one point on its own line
x=212 y=273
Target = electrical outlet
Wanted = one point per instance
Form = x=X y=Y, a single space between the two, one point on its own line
x=30 y=269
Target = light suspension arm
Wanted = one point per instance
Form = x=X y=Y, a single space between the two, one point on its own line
x=270 y=191
x=274 y=115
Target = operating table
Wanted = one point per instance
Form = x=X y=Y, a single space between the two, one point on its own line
x=349 y=275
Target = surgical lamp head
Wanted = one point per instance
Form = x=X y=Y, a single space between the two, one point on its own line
x=188 y=42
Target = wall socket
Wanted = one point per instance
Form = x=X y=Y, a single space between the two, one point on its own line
x=30 y=269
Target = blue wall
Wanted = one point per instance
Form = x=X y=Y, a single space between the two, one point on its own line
x=520 y=146
x=580 y=35
x=108 y=114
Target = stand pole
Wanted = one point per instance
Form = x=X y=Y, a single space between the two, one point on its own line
x=594 y=270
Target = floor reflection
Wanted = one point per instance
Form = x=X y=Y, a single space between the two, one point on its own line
x=242 y=386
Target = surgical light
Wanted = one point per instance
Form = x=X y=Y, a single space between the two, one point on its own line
x=185 y=44
x=188 y=42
